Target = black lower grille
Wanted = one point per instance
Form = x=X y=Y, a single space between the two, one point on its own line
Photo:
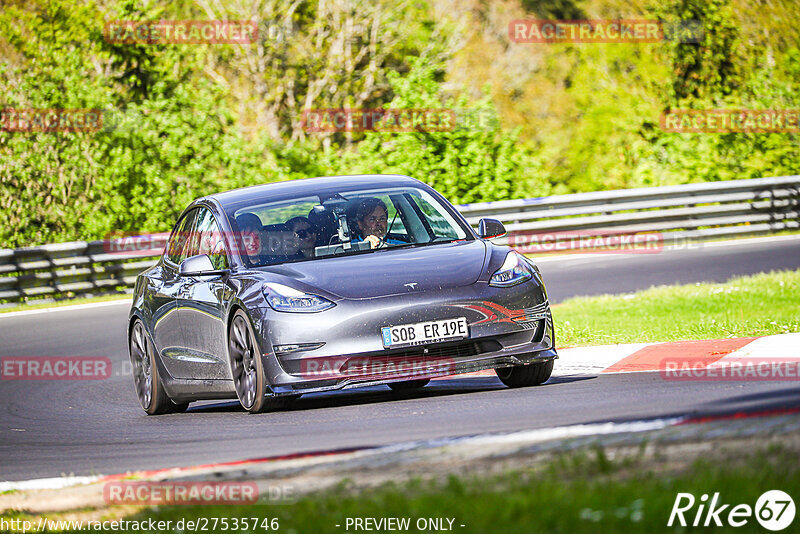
x=432 y=353
x=456 y=350
x=463 y=349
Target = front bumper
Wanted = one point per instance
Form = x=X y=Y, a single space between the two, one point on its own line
x=507 y=326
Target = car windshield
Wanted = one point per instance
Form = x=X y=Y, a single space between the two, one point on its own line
x=350 y=222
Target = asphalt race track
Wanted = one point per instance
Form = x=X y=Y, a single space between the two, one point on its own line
x=50 y=428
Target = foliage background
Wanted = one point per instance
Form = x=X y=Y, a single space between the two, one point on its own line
x=183 y=121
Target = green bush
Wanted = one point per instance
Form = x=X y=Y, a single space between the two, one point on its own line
x=476 y=161
x=178 y=121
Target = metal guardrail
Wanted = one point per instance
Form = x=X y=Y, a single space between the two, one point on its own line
x=677 y=213
x=66 y=268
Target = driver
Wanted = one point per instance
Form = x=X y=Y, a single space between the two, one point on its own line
x=371 y=217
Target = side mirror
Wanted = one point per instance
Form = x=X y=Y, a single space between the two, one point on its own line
x=491 y=228
x=199 y=266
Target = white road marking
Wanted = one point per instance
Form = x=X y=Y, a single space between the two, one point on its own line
x=569 y=431
x=47 y=483
x=733 y=242
x=593 y=360
x=780 y=348
x=71 y=307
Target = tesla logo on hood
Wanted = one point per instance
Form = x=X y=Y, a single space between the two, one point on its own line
x=411 y=285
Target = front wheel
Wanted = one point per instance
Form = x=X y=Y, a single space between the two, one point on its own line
x=533 y=374
x=247 y=369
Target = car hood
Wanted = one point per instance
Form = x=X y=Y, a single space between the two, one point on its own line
x=392 y=272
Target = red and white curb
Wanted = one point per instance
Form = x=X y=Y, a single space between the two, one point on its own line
x=651 y=357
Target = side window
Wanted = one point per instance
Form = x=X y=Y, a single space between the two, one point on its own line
x=180 y=237
x=442 y=224
x=208 y=239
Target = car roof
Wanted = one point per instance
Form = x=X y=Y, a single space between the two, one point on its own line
x=232 y=200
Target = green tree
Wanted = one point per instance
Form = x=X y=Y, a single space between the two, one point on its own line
x=712 y=67
x=475 y=162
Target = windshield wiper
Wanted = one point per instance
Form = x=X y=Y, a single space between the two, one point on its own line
x=411 y=245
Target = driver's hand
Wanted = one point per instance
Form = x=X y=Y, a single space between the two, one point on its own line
x=374 y=241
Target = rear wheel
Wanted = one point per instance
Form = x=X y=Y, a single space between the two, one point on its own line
x=149 y=388
x=533 y=374
x=409 y=384
x=247 y=369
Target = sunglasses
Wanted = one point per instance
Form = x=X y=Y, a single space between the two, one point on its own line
x=302 y=234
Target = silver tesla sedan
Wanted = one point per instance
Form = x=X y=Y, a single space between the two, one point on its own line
x=269 y=292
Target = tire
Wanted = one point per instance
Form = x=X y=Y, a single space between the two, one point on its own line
x=179 y=408
x=409 y=384
x=247 y=369
x=519 y=376
x=149 y=387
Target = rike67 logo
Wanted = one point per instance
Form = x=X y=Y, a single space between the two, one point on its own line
x=774 y=510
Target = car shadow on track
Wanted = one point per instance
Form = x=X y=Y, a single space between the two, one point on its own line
x=773 y=402
x=381 y=394
x=568 y=379
x=742 y=407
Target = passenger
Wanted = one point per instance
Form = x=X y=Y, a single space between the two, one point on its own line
x=305 y=233
x=267 y=245
x=324 y=223
x=279 y=244
x=250 y=228
x=371 y=218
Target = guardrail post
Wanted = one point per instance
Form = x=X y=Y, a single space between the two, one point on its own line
x=18 y=273
x=51 y=268
x=794 y=202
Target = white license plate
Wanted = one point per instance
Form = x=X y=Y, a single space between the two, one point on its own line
x=423 y=333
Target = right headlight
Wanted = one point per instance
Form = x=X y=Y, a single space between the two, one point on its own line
x=288 y=299
x=514 y=270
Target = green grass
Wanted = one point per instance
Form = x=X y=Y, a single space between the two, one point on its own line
x=66 y=302
x=584 y=492
x=746 y=306
x=589 y=491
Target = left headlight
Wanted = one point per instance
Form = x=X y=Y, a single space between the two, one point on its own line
x=288 y=299
x=514 y=270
